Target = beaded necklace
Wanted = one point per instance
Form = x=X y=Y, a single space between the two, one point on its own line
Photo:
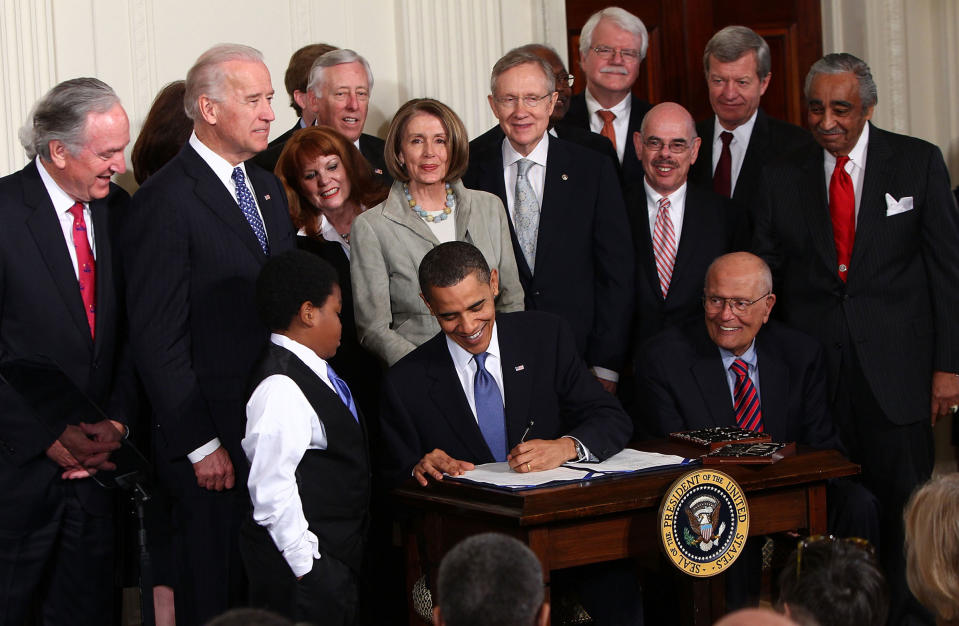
x=435 y=216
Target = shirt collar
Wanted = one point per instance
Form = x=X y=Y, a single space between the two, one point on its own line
x=749 y=356
x=461 y=357
x=220 y=166
x=61 y=201
x=310 y=358
x=677 y=197
x=538 y=155
x=741 y=133
x=621 y=108
x=858 y=153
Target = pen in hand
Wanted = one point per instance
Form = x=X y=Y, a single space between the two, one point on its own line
x=526 y=432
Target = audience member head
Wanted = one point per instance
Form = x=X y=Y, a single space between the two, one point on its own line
x=79 y=131
x=297 y=295
x=322 y=170
x=164 y=132
x=228 y=97
x=522 y=97
x=737 y=65
x=833 y=582
x=297 y=76
x=932 y=546
x=738 y=299
x=339 y=89
x=424 y=121
x=459 y=288
x=612 y=45
x=249 y=617
x=840 y=96
x=754 y=617
x=667 y=145
x=490 y=580
x=564 y=80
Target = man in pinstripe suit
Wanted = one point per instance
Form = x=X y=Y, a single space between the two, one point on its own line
x=860 y=232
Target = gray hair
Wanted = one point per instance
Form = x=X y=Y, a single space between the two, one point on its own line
x=336 y=57
x=61 y=115
x=207 y=78
x=490 y=580
x=841 y=62
x=732 y=42
x=622 y=18
x=517 y=57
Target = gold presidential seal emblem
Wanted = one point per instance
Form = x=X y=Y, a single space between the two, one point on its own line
x=703 y=522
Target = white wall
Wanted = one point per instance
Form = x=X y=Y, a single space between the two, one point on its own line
x=438 y=48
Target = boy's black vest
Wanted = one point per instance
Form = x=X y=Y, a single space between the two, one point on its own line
x=334 y=484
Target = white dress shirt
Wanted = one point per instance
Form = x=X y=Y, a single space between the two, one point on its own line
x=621 y=110
x=62 y=204
x=677 y=209
x=223 y=171
x=281 y=426
x=737 y=147
x=536 y=175
x=855 y=166
x=328 y=232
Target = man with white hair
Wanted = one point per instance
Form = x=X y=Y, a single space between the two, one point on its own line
x=196 y=236
x=612 y=45
x=338 y=95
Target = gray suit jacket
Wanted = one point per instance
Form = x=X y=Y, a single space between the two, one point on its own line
x=387 y=244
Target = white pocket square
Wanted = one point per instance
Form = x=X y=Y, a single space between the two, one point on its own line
x=894 y=207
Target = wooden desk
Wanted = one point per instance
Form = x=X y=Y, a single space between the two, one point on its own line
x=612 y=518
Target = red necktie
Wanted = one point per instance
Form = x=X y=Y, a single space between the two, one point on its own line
x=722 y=177
x=86 y=266
x=748 y=413
x=842 y=209
x=608 y=131
x=664 y=245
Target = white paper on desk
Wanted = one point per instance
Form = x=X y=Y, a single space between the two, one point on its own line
x=630 y=460
x=500 y=475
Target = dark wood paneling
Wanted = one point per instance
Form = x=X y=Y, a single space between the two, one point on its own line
x=679 y=30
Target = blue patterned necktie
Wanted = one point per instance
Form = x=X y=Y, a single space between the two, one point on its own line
x=489 y=409
x=525 y=213
x=245 y=199
x=343 y=391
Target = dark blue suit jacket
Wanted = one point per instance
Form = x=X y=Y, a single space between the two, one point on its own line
x=424 y=406
x=191 y=262
x=584 y=253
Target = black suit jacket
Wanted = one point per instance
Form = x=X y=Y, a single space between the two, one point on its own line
x=372 y=149
x=191 y=262
x=584 y=255
x=898 y=307
x=268 y=158
x=544 y=380
x=770 y=140
x=631 y=170
x=704 y=237
x=42 y=319
x=681 y=377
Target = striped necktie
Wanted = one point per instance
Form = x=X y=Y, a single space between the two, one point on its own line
x=748 y=412
x=664 y=245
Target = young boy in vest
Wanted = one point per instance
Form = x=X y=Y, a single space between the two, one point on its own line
x=307 y=446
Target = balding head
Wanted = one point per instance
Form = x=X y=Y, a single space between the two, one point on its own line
x=667 y=145
x=755 y=617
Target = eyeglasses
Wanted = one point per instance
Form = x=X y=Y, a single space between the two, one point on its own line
x=606 y=53
x=715 y=304
x=859 y=542
x=566 y=79
x=530 y=102
x=341 y=95
x=676 y=146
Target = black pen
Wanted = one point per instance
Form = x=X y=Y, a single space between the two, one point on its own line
x=526 y=432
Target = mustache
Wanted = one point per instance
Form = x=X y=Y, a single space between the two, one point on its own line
x=832 y=131
x=665 y=161
x=613 y=69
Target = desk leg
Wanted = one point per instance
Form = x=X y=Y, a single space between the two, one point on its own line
x=538 y=542
x=816 y=504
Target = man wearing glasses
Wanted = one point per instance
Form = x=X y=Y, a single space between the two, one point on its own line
x=569 y=226
x=678 y=229
x=741 y=369
x=612 y=45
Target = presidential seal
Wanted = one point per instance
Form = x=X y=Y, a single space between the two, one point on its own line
x=704 y=521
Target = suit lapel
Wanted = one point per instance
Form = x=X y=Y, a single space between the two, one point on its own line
x=693 y=232
x=773 y=389
x=463 y=211
x=402 y=215
x=104 y=263
x=814 y=202
x=271 y=208
x=755 y=156
x=491 y=179
x=707 y=370
x=872 y=203
x=45 y=229
x=446 y=392
x=517 y=381
x=559 y=182
x=215 y=195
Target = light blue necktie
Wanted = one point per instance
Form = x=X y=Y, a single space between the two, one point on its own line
x=343 y=391
x=489 y=409
x=525 y=213
x=245 y=199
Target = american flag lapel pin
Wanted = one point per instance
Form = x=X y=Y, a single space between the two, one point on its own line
x=519 y=368
x=266 y=197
